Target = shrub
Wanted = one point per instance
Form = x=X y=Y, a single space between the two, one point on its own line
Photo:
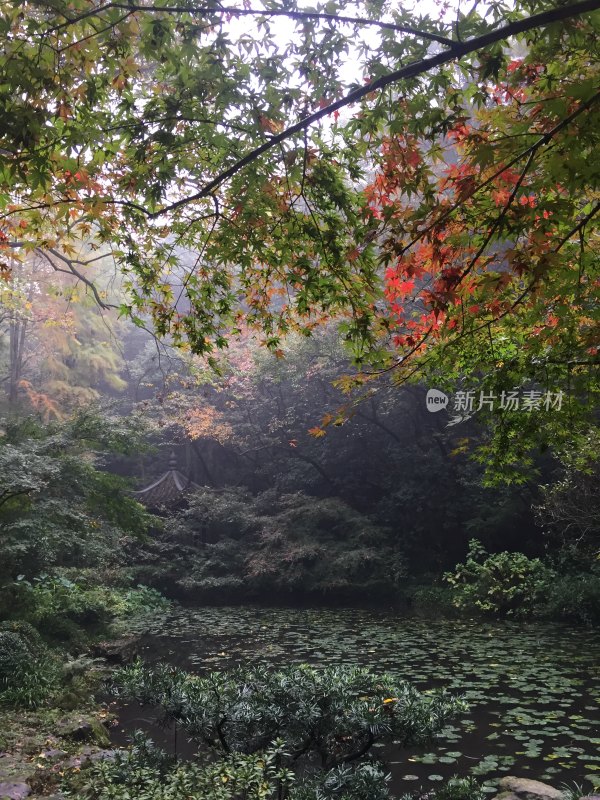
x=432 y=598
x=361 y=782
x=455 y=789
x=460 y=789
x=64 y=608
x=144 y=771
x=28 y=673
x=143 y=599
x=54 y=600
x=25 y=631
x=574 y=597
x=502 y=583
x=59 y=509
x=298 y=733
x=335 y=714
x=290 y=543
x=15 y=655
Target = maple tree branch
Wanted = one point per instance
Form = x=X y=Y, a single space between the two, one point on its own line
x=579 y=227
x=403 y=359
x=521 y=297
x=72 y=270
x=336 y=272
x=308 y=15
x=61 y=50
x=412 y=70
x=257 y=12
x=205 y=243
x=530 y=152
x=177 y=118
x=531 y=285
x=498 y=221
x=543 y=140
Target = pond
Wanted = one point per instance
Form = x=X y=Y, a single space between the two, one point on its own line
x=533 y=688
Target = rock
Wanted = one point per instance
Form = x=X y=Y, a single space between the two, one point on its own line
x=103 y=755
x=119 y=651
x=89 y=755
x=14 y=791
x=507 y=796
x=53 y=754
x=526 y=789
x=14 y=768
x=78 y=730
x=83 y=729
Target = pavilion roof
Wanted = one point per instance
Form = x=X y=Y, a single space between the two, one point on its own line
x=168 y=489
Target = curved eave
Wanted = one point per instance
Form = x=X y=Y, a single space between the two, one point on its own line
x=165 y=490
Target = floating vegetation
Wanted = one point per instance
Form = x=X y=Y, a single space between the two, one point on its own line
x=533 y=688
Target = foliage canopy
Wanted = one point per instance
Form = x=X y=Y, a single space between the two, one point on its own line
x=57 y=509
x=440 y=198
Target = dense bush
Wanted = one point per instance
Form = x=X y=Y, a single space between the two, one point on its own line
x=512 y=584
x=240 y=545
x=321 y=546
x=334 y=715
x=568 y=510
x=360 y=782
x=460 y=789
x=143 y=771
x=59 y=510
x=28 y=672
x=26 y=632
x=454 y=789
x=254 y=728
x=574 y=597
x=432 y=599
x=501 y=583
x=58 y=507
x=67 y=610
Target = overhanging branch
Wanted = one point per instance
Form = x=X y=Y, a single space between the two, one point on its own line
x=544 y=139
x=413 y=70
x=259 y=12
x=71 y=269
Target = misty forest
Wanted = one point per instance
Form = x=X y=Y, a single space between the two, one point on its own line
x=299 y=400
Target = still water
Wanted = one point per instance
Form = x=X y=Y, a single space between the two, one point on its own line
x=533 y=688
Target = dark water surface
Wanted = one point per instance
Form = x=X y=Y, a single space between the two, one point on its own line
x=533 y=688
